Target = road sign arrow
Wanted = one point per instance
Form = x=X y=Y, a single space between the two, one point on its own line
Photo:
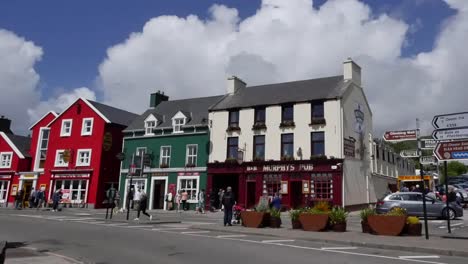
x=451 y=150
x=456 y=120
x=451 y=134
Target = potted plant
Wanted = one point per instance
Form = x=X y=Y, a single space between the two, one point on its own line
x=389 y=224
x=315 y=219
x=164 y=166
x=190 y=165
x=413 y=226
x=260 y=217
x=231 y=160
x=294 y=215
x=317 y=121
x=232 y=128
x=287 y=123
x=365 y=213
x=259 y=126
x=287 y=158
x=338 y=217
x=275 y=218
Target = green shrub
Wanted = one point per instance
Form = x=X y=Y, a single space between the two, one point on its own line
x=322 y=206
x=262 y=205
x=366 y=212
x=338 y=215
x=294 y=214
x=275 y=213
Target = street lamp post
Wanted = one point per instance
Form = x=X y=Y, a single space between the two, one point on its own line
x=131 y=173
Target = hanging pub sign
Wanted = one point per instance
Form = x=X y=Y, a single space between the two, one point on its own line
x=349 y=147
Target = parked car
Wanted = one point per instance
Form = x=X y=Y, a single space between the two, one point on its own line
x=413 y=203
x=463 y=186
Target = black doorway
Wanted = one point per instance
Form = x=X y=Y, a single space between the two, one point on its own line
x=251 y=194
x=296 y=194
x=224 y=181
x=158 y=194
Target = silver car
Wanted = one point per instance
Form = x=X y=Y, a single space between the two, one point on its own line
x=413 y=203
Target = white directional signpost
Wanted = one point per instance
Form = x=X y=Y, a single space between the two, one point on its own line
x=427 y=160
x=428 y=143
x=453 y=130
x=404 y=135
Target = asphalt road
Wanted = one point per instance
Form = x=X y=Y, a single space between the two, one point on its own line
x=92 y=240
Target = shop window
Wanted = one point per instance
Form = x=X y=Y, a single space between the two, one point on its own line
x=165 y=157
x=84 y=157
x=272 y=183
x=287 y=146
x=192 y=151
x=87 y=127
x=190 y=185
x=66 y=128
x=3 y=190
x=259 y=148
x=321 y=186
x=42 y=148
x=232 y=147
x=5 y=159
x=73 y=191
x=317 y=143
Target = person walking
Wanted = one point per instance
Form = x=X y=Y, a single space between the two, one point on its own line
x=169 y=198
x=178 y=199
x=32 y=198
x=19 y=200
x=228 y=203
x=201 y=201
x=220 y=196
x=116 y=202
x=276 y=202
x=56 y=197
x=136 y=199
x=40 y=195
x=142 y=204
x=184 y=199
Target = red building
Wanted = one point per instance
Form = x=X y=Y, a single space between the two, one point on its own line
x=14 y=158
x=76 y=152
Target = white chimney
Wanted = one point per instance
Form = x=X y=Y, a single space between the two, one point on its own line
x=234 y=84
x=352 y=71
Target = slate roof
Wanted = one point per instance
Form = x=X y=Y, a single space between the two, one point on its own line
x=115 y=115
x=22 y=143
x=196 y=109
x=281 y=93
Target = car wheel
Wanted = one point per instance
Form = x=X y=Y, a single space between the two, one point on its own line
x=451 y=214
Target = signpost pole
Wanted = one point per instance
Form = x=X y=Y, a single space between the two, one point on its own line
x=129 y=188
x=423 y=189
x=446 y=195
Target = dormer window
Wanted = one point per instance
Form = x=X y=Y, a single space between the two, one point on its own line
x=178 y=123
x=150 y=125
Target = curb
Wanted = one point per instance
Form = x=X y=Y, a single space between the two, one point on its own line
x=144 y=223
x=445 y=252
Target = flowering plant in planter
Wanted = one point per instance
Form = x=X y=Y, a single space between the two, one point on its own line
x=413 y=226
x=365 y=213
x=287 y=123
x=315 y=219
x=258 y=218
x=338 y=217
x=389 y=224
x=232 y=128
x=164 y=165
x=259 y=126
x=231 y=160
x=294 y=215
x=275 y=218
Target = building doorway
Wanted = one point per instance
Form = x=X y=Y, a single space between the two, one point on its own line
x=224 y=181
x=158 y=188
x=251 y=194
x=296 y=194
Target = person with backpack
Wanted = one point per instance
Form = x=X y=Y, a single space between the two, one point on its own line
x=228 y=203
x=143 y=203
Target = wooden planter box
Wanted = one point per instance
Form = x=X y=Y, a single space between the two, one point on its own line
x=341 y=227
x=296 y=224
x=386 y=225
x=255 y=219
x=365 y=227
x=414 y=229
x=275 y=222
x=314 y=222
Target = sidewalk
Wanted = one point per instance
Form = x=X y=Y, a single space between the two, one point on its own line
x=25 y=255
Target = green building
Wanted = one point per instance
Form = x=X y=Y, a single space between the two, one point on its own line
x=168 y=146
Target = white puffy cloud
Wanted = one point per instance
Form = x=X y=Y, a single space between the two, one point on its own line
x=290 y=40
x=18 y=79
x=60 y=102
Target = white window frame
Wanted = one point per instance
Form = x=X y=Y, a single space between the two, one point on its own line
x=80 y=189
x=8 y=161
x=83 y=127
x=37 y=161
x=62 y=129
x=177 y=127
x=78 y=161
x=188 y=156
x=136 y=182
x=179 y=186
x=59 y=163
x=165 y=157
x=4 y=187
x=149 y=130
x=137 y=150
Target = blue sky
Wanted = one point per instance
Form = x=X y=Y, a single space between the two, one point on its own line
x=76 y=34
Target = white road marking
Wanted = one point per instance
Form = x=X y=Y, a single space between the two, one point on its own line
x=117 y=224
x=338 y=248
x=199 y=223
x=456 y=224
x=437 y=221
x=195 y=232
x=277 y=241
x=230 y=236
x=138 y=226
x=79 y=219
x=170 y=228
x=418 y=257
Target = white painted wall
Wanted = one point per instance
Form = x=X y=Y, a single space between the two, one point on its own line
x=301 y=131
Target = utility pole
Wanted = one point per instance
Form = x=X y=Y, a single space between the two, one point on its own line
x=421 y=172
x=446 y=195
x=131 y=172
